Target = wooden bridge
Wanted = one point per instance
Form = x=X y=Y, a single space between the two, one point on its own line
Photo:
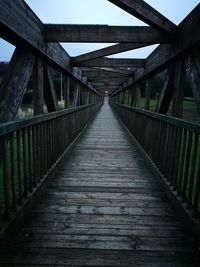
x=105 y=181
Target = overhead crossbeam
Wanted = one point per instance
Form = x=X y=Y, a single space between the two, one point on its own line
x=102 y=74
x=188 y=35
x=146 y=13
x=110 y=50
x=125 y=71
x=114 y=62
x=107 y=84
x=103 y=34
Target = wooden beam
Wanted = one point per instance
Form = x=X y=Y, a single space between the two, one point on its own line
x=141 y=10
x=166 y=93
x=188 y=35
x=194 y=79
x=113 y=49
x=66 y=91
x=107 y=84
x=125 y=71
x=103 y=33
x=49 y=91
x=147 y=95
x=101 y=75
x=114 y=62
x=178 y=88
x=14 y=84
x=38 y=87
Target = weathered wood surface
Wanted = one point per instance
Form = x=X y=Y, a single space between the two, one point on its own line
x=14 y=84
x=146 y=13
x=49 y=90
x=110 y=50
x=103 y=34
x=103 y=208
x=113 y=62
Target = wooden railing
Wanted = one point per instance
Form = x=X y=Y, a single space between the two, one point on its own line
x=173 y=145
x=29 y=150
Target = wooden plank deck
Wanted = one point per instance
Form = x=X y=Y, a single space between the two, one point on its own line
x=103 y=208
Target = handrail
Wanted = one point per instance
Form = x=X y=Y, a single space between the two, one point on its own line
x=29 y=150
x=166 y=118
x=8 y=127
x=173 y=145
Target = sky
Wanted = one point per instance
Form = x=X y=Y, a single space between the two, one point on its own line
x=98 y=12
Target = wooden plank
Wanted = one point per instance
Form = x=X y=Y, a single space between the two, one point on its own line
x=146 y=13
x=38 y=87
x=113 y=62
x=95 y=229
x=90 y=257
x=49 y=91
x=103 y=33
x=14 y=83
x=102 y=242
x=113 y=49
x=81 y=209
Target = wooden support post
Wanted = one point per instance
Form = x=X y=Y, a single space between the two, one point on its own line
x=132 y=97
x=137 y=96
x=166 y=93
x=194 y=79
x=49 y=91
x=147 y=95
x=103 y=34
x=14 y=83
x=140 y=9
x=66 y=90
x=178 y=87
x=76 y=95
x=38 y=87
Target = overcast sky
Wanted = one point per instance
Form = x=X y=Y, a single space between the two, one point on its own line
x=98 y=12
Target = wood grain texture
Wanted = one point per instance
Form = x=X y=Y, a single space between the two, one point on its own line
x=146 y=13
x=110 y=50
x=103 y=208
x=103 y=34
x=113 y=62
x=14 y=84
